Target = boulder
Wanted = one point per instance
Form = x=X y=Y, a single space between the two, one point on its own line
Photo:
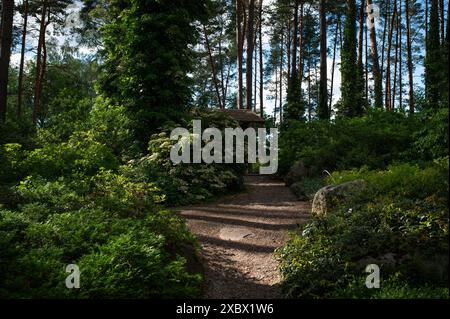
x=331 y=196
x=296 y=173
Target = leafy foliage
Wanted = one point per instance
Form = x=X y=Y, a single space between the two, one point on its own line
x=399 y=223
x=188 y=183
x=375 y=140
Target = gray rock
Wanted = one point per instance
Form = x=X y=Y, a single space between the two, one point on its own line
x=332 y=196
x=296 y=173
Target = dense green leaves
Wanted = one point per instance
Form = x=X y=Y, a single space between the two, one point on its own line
x=375 y=140
x=399 y=223
x=148 y=58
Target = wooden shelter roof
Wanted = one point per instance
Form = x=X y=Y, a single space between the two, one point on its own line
x=246 y=116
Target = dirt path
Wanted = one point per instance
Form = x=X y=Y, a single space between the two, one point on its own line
x=239 y=235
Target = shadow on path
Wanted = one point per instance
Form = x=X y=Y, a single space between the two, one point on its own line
x=239 y=235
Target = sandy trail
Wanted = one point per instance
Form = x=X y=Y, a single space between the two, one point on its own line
x=239 y=235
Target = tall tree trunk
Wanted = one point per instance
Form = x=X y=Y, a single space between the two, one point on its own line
x=5 y=54
x=213 y=68
x=22 y=62
x=323 y=112
x=433 y=59
x=400 y=60
x=222 y=76
x=227 y=80
x=295 y=44
x=261 y=62
x=276 y=96
x=385 y=28
x=281 y=77
x=388 y=62
x=333 y=64
x=442 y=20
x=377 y=77
x=288 y=51
x=426 y=21
x=366 y=66
x=309 y=90
x=361 y=34
x=250 y=47
x=240 y=52
x=39 y=64
x=255 y=68
x=410 y=66
x=394 y=84
x=301 y=52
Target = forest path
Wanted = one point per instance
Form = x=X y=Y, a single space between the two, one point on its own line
x=239 y=234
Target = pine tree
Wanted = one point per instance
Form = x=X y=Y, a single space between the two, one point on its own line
x=351 y=89
x=7 y=14
x=433 y=60
x=323 y=112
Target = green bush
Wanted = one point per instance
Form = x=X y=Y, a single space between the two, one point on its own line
x=376 y=140
x=187 y=183
x=400 y=223
x=80 y=155
x=133 y=258
x=432 y=140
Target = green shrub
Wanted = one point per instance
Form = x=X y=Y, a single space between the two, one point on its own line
x=187 y=183
x=80 y=155
x=400 y=223
x=432 y=140
x=136 y=265
x=118 y=257
x=375 y=140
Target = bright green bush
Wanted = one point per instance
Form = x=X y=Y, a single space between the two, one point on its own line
x=400 y=222
x=80 y=155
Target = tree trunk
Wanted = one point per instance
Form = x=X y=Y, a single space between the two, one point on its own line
x=288 y=52
x=366 y=66
x=294 y=44
x=39 y=65
x=400 y=58
x=377 y=77
x=394 y=84
x=213 y=68
x=261 y=62
x=426 y=21
x=361 y=34
x=255 y=68
x=22 y=61
x=222 y=76
x=442 y=13
x=281 y=77
x=385 y=27
x=410 y=66
x=300 y=59
x=334 y=61
x=250 y=47
x=388 y=62
x=309 y=89
x=276 y=96
x=240 y=52
x=5 y=54
x=324 y=112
